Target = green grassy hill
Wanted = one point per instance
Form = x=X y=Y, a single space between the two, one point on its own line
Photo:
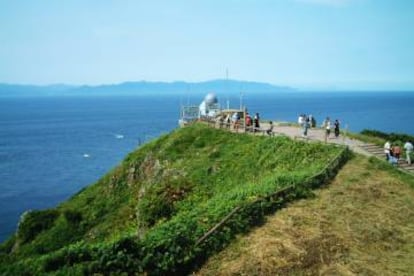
x=150 y=213
x=361 y=224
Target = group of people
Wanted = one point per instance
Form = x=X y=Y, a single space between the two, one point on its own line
x=252 y=124
x=308 y=121
x=327 y=125
x=393 y=152
x=233 y=120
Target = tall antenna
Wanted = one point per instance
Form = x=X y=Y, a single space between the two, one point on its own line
x=241 y=99
x=188 y=93
x=227 y=84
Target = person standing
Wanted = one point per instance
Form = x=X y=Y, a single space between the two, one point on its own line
x=327 y=125
x=300 y=120
x=336 y=128
x=306 y=126
x=256 y=122
x=387 y=150
x=235 y=118
x=248 y=122
x=311 y=120
x=396 y=151
x=408 y=146
x=227 y=121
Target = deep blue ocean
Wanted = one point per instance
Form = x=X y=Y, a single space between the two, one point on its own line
x=51 y=147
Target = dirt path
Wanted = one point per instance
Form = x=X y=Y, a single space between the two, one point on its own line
x=317 y=134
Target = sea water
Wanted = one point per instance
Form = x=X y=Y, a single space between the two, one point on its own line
x=51 y=147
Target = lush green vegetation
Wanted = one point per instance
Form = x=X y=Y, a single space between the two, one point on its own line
x=394 y=137
x=367 y=139
x=365 y=214
x=148 y=213
x=379 y=137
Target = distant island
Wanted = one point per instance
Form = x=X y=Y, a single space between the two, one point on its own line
x=141 y=87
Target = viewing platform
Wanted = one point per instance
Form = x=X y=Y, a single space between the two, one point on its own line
x=238 y=120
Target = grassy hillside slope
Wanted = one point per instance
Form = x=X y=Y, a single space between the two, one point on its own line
x=149 y=212
x=362 y=223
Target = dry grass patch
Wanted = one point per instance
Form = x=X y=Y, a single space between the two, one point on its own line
x=363 y=223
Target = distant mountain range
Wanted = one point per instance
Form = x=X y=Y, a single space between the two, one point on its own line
x=142 y=87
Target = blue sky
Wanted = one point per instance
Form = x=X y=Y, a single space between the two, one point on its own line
x=333 y=44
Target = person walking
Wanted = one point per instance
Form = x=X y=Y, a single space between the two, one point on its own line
x=336 y=128
x=408 y=146
x=387 y=150
x=327 y=126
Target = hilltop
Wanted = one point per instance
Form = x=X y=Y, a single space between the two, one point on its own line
x=181 y=199
x=170 y=204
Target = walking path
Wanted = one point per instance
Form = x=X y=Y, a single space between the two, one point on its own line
x=317 y=134
x=379 y=152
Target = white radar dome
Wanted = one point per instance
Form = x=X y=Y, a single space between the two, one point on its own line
x=210 y=99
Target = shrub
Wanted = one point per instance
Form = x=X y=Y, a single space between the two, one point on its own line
x=72 y=217
x=34 y=222
x=393 y=137
x=7 y=246
x=160 y=200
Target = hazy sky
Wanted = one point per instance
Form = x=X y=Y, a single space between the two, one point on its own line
x=302 y=43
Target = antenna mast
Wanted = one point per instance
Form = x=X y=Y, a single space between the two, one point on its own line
x=227 y=82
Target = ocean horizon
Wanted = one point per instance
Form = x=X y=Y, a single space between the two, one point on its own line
x=51 y=147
